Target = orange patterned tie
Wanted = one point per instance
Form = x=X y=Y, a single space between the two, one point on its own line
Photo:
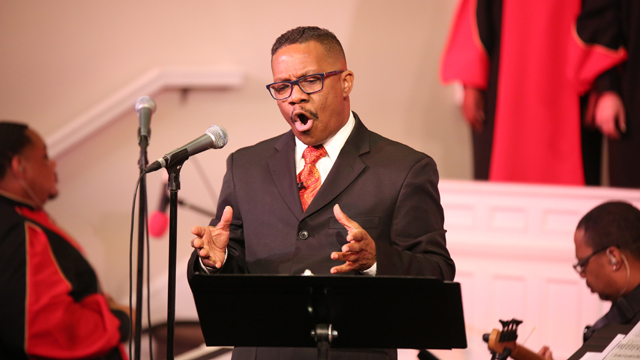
x=309 y=177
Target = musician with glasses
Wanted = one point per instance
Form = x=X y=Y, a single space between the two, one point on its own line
x=328 y=196
x=607 y=245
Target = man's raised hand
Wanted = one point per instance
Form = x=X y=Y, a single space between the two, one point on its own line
x=359 y=253
x=211 y=242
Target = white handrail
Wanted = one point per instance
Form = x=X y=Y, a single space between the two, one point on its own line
x=152 y=82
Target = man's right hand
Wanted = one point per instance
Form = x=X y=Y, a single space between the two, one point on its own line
x=473 y=107
x=545 y=353
x=211 y=242
x=609 y=115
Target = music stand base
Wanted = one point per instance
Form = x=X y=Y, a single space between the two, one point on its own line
x=324 y=334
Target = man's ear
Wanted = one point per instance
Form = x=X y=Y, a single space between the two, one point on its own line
x=347 y=83
x=17 y=168
x=613 y=253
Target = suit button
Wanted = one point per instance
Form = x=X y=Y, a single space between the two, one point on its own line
x=303 y=235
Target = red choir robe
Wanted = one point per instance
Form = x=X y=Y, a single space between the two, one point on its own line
x=536 y=122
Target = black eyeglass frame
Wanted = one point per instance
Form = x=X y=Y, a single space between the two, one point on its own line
x=297 y=82
x=581 y=265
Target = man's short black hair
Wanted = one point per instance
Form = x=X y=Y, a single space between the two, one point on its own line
x=614 y=223
x=13 y=139
x=303 y=34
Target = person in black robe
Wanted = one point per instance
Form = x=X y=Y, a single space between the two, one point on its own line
x=615 y=98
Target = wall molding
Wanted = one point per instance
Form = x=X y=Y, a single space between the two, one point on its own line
x=524 y=220
x=150 y=83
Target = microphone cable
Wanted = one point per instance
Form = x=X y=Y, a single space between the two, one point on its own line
x=146 y=240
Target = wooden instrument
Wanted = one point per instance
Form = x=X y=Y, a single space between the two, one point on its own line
x=503 y=343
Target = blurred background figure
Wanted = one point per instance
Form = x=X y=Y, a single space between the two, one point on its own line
x=614 y=102
x=52 y=305
x=512 y=58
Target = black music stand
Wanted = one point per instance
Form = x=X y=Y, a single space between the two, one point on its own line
x=329 y=311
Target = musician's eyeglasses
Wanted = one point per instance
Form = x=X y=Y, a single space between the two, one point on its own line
x=581 y=265
x=310 y=84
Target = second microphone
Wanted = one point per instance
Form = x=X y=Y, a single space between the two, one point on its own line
x=215 y=137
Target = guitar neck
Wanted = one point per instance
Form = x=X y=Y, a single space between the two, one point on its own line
x=518 y=352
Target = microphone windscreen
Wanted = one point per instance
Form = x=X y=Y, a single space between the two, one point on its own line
x=158 y=223
x=145 y=102
x=219 y=136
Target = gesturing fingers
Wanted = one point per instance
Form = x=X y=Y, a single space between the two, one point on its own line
x=354 y=261
x=211 y=242
x=353 y=247
x=345 y=256
x=360 y=252
x=344 y=220
x=358 y=256
x=346 y=267
x=225 y=219
x=354 y=231
x=200 y=232
x=197 y=243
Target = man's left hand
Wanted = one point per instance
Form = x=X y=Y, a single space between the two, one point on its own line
x=360 y=253
x=609 y=115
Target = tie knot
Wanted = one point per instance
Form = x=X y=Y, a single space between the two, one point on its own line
x=312 y=154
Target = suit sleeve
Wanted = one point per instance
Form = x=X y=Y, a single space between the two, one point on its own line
x=418 y=245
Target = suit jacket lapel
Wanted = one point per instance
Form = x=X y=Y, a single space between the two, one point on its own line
x=283 y=172
x=345 y=170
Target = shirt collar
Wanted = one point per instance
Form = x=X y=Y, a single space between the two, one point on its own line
x=628 y=306
x=334 y=144
x=16 y=200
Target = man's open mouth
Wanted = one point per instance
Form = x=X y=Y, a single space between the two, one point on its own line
x=302 y=118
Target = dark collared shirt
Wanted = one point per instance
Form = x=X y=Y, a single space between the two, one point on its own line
x=625 y=310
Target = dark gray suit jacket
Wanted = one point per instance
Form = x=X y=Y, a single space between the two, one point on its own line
x=386 y=187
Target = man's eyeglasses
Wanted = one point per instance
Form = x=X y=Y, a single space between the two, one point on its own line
x=581 y=265
x=309 y=84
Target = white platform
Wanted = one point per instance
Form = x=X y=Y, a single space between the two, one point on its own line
x=513 y=248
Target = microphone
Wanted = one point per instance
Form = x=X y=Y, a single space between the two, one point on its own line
x=145 y=106
x=159 y=220
x=215 y=137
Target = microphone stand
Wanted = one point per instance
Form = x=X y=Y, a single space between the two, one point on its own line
x=143 y=141
x=174 y=186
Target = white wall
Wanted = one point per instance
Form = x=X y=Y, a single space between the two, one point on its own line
x=61 y=58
